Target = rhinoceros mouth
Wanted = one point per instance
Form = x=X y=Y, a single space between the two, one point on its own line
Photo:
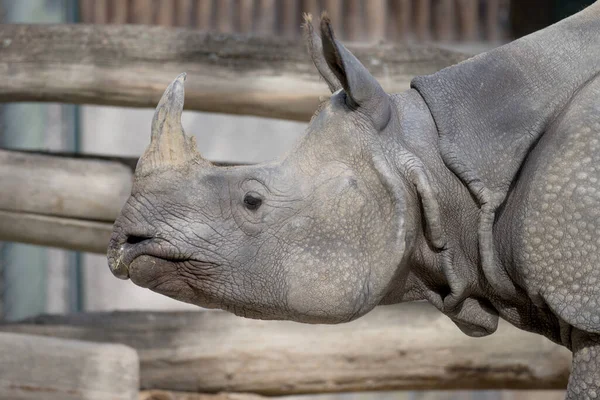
x=149 y=249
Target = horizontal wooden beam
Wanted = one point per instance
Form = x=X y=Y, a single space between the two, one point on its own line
x=89 y=189
x=65 y=233
x=169 y=395
x=36 y=368
x=407 y=347
x=131 y=65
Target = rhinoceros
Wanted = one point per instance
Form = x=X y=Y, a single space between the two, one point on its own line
x=478 y=189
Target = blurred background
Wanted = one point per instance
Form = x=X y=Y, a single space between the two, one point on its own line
x=35 y=280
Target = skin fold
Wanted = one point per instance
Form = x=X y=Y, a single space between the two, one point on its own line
x=477 y=190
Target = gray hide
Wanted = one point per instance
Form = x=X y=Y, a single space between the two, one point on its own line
x=478 y=190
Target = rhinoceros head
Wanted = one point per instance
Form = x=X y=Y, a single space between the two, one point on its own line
x=316 y=236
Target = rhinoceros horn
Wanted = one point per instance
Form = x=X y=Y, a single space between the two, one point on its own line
x=169 y=145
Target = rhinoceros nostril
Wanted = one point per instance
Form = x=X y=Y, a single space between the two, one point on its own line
x=135 y=239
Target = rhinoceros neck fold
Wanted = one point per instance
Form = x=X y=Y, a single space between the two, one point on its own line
x=491 y=110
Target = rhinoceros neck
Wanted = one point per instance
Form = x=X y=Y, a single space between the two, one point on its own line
x=448 y=276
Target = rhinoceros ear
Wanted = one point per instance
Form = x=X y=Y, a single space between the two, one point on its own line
x=315 y=50
x=362 y=89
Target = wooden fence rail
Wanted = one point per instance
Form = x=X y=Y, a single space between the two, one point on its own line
x=131 y=65
x=401 y=347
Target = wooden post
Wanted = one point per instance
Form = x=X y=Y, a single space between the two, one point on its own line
x=246 y=15
x=469 y=19
x=376 y=15
x=87 y=11
x=290 y=18
x=118 y=12
x=423 y=20
x=444 y=18
x=491 y=20
x=204 y=14
x=44 y=368
x=266 y=17
x=334 y=9
x=183 y=13
x=400 y=20
x=353 y=24
x=100 y=11
x=165 y=14
x=224 y=16
x=141 y=12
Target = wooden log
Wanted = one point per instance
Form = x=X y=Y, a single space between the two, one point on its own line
x=166 y=395
x=334 y=9
x=141 y=12
x=66 y=187
x=290 y=18
x=224 y=16
x=131 y=65
x=165 y=13
x=405 y=347
x=376 y=13
x=423 y=20
x=36 y=368
x=204 y=13
x=469 y=19
x=246 y=15
x=118 y=12
x=444 y=20
x=353 y=25
x=65 y=233
x=492 y=22
x=266 y=17
x=100 y=11
x=183 y=14
x=400 y=20
x=87 y=11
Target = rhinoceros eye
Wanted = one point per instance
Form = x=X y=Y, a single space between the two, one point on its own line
x=252 y=200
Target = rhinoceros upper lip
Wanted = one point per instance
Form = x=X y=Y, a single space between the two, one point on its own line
x=130 y=251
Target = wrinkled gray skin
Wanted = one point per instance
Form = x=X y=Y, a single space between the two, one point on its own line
x=478 y=190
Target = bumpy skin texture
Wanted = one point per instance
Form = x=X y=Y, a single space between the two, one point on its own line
x=477 y=190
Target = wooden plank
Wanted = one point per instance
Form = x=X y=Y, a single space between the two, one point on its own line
x=131 y=65
x=183 y=12
x=246 y=15
x=141 y=12
x=290 y=18
x=65 y=233
x=376 y=13
x=165 y=13
x=36 y=368
x=65 y=187
x=118 y=11
x=224 y=16
x=353 y=25
x=400 y=16
x=100 y=11
x=266 y=17
x=166 y=395
x=204 y=13
x=405 y=347
x=87 y=11
x=334 y=9
x=492 y=28
x=444 y=18
x=469 y=19
x=423 y=20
